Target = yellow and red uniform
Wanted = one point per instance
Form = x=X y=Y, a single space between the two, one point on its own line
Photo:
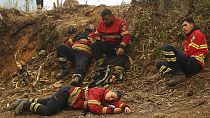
x=95 y=100
x=196 y=46
x=91 y=99
x=114 y=34
x=76 y=44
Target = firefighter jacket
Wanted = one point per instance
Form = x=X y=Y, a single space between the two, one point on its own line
x=114 y=34
x=75 y=43
x=92 y=99
x=196 y=46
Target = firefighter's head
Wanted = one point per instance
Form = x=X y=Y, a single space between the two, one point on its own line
x=113 y=95
x=188 y=24
x=90 y=28
x=107 y=17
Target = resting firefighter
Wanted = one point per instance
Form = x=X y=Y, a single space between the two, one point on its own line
x=191 y=61
x=77 y=50
x=112 y=39
x=95 y=100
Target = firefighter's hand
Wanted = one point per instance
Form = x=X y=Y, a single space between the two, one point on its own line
x=83 y=41
x=120 y=51
x=127 y=110
x=117 y=110
x=97 y=38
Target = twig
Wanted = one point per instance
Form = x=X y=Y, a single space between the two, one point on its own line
x=142 y=57
x=16 y=85
x=37 y=77
x=143 y=49
x=2 y=73
x=49 y=56
x=18 y=64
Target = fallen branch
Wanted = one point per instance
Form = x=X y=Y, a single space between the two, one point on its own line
x=2 y=73
x=18 y=64
x=37 y=77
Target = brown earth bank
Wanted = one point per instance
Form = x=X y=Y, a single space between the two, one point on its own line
x=28 y=42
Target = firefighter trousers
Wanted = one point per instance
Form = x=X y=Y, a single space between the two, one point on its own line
x=99 y=48
x=79 y=59
x=176 y=60
x=50 y=105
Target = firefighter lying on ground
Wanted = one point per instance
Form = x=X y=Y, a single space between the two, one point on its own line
x=77 y=50
x=95 y=100
x=191 y=61
x=112 y=39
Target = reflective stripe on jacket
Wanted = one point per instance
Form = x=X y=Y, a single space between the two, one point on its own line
x=96 y=101
x=196 y=46
x=114 y=34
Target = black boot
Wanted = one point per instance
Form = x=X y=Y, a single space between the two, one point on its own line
x=62 y=68
x=176 y=79
x=19 y=109
x=101 y=64
x=16 y=103
x=118 y=73
x=76 y=80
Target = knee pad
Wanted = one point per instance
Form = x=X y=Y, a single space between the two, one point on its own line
x=169 y=53
x=168 y=48
x=164 y=67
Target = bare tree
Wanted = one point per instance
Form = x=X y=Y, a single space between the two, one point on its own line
x=15 y=2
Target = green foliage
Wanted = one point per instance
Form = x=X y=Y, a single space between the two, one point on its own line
x=202 y=7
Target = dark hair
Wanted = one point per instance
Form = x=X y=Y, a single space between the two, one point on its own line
x=90 y=28
x=81 y=35
x=106 y=12
x=119 y=93
x=189 y=20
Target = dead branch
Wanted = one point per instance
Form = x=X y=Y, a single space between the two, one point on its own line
x=18 y=64
x=48 y=56
x=2 y=73
x=37 y=77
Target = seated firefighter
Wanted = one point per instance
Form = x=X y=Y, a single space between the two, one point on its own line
x=191 y=61
x=77 y=50
x=95 y=100
x=112 y=40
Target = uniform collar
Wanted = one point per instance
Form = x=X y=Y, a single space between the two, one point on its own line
x=194 y=28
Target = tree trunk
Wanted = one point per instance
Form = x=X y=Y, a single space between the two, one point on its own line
x=27 y=6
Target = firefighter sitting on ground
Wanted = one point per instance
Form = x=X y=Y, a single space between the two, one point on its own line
x=191 y=61
x=78 y=51
x=112 y=39
x=95 y=100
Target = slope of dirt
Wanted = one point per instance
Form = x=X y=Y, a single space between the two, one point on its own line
x=28 y=43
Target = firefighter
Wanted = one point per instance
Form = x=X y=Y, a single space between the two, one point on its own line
x=189 y=62
x=39 y=4
x=112 y=39
x=95 y=100
x=77 y=50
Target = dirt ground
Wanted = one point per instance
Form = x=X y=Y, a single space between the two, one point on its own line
x=27 y=48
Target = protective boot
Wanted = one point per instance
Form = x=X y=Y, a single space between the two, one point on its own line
x=16 y=103
x=176 y=79
x=19 y=109
x=101 y=64
x=62 y=68
x=118 y=73
x=76 y=80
